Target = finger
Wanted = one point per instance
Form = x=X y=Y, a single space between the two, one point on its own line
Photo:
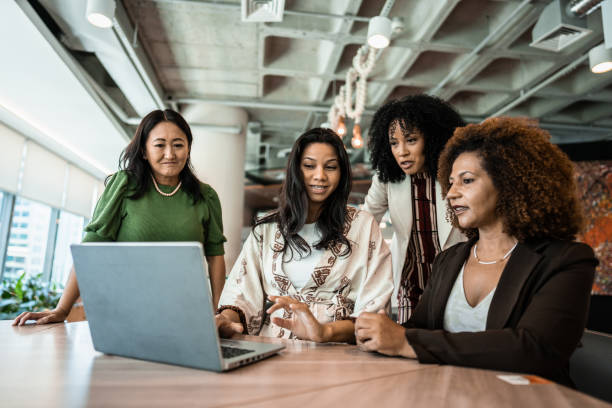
x=18 y=318
x=276 y=299
x=25 y=318
x=382 y=312
x=364 y=333
x=363 y=323
x=302 y=311
x=277 y=306
x=369 y=345
x=284 y=323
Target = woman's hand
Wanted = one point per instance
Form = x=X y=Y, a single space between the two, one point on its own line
x=56 y=315
x=226 y=326
x=302 y=323
x=376 y=332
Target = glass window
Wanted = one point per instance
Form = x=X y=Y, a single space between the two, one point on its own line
x=69 y=231
x=28 y=241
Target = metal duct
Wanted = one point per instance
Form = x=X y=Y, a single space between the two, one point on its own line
x=582 y=8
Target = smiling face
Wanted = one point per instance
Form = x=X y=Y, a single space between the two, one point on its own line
x=167 y=151
x=472 y=195
x=320 y=171
x=408 y=149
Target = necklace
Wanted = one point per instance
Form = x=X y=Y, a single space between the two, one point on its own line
x=493 y=262
x=166 y=194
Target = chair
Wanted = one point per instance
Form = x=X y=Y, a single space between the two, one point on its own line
x=591 y=365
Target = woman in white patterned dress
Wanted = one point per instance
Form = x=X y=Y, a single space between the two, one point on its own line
x=320 y=262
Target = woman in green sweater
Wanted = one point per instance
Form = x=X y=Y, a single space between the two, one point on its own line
x=154 y=197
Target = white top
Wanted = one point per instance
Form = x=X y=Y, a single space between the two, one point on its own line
x=299 y=269
x=459 y=316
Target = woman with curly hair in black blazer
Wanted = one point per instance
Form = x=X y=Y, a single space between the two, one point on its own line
x=406 y=138
x=515 y=296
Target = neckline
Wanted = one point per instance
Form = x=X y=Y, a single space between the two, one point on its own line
x=461 y=274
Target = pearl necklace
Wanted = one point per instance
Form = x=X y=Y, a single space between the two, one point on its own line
x=493 y=262
x=166 y=194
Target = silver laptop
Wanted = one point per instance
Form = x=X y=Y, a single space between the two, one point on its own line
x=152 y=301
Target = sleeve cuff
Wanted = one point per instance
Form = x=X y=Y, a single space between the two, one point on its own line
x=424 y=356
x=91 y=236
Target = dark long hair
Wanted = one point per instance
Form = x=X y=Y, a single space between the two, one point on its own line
x=293 y=201
x=138 y=169
x=431 y=116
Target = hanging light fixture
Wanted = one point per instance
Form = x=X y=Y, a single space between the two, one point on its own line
x=100 y=12
x=357 y=141
x=600 y=59
x=379 y=32
x=341 y=130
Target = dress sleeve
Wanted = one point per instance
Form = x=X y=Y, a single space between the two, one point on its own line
x=377 y=287
x=544 y=338
x=109 y=211
x=243 y=291
x=213 y=233
x=376 y=202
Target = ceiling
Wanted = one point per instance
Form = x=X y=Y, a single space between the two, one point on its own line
x=474 y=53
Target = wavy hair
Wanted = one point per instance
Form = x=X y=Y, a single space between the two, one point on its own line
x=139 y=170
x=433 y=117
x=290 y=216
x=537 y=192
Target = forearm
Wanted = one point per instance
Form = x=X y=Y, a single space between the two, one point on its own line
x=70 y=295
x=216 y=271
x=341 y=331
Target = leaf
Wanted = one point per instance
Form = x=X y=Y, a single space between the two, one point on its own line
x=19 y=287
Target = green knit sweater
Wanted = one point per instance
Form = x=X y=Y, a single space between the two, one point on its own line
x=154 y=217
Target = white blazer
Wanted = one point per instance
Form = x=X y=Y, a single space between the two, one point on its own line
x=397 y=198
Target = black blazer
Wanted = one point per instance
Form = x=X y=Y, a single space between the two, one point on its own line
x=536 y=318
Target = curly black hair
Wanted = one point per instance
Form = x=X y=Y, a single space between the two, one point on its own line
x=534 y=179
x=433 y=117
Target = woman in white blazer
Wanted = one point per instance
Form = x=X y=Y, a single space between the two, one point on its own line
x=405 y=141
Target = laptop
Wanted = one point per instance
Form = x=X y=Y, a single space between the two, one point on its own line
x=152 y=301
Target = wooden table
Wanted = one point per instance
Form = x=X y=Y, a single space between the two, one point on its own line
x=56 y=366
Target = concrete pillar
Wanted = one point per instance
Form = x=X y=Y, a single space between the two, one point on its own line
x=218 y=159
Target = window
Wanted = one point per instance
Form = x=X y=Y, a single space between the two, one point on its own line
x=69 y=231
x=26 y=249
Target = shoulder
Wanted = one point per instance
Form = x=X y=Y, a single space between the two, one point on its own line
x=362 y=218
x=211 y=198
x=208 y=192
x=561 y=251
x=118 y=184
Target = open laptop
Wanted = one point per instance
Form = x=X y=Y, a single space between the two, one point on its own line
x=152 y=301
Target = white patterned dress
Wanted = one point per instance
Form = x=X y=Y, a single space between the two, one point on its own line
x=339 y=288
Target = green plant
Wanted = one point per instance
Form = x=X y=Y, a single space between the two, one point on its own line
x=27 y=293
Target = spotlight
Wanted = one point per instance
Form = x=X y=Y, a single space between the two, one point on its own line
x=100 y=12
x=379 y=32
x=600 y=59
x=357 y=141
x=341 y=127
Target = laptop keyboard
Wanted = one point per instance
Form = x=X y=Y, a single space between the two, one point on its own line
x=229 y=352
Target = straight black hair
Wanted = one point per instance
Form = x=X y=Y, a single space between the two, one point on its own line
x=138 y=169
x=293 y=201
